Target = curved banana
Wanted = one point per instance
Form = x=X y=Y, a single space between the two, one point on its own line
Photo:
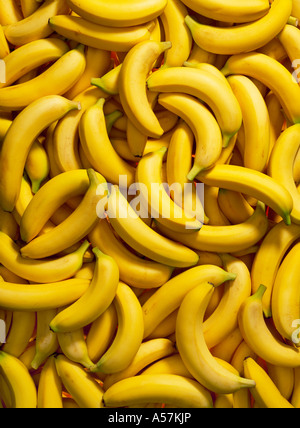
x=129 y=335
x=162 y=388
x=37 y=165
x=234 y=206
x=204 y=126
x=98 y=148
x=269 y=257
x=20 y=333
x=9 y=12
x=272 y=74
x=82 y=387
x=256 y=122
x=253 y=183
x=109 y=83
x=245 y=37
x=35 y=26
x=265 y=392
x=202 y=84
x=295 y=399
x=49 y=392
x=74 y=228
x=168 y=365
x=193 y=349
x=73 y=346
x=283 y=378
x=264 y=344
x=32 y=55
x=277 y=118
x=169 y=297
x=28 y=7
x=231 y=11
x=25 y=128
x=99 y=36
x=134 y=72
x=289 y=38
x=95 y=301
x=134 y=271
x=21 y=384
x=139 y=236
x=281 y=165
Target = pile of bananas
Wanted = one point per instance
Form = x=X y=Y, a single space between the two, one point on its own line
x=101 y=307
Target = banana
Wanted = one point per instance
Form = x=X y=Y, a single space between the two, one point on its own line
x=134 y=72
x=8 y=225
x=193 y=349
x=82 y=387
x=204 y=126
x=234 y=206
x=28 y=7
x=168 y=365
x=9 y=12
x=99 y=36
x=4 y=46
x=200 y=56
x=5 y=124
x=227 y=239
x=242 y=352
x=98 y=148
x=252 y=183
x=256 y=122
x=129 y=14
x=241 y=38
x=269 y=257
x=212 y=208
x=49 y=393
x=163 y=388
x=169 y=297
x=21 y=384
x=277 y=118
x=272 y=74
x=35 y=26
x=264 y=344
x=37 y=165
x=134 y=271
x=109 y=83
x=295 y=396
x=95 y=301
x=289 y=38
x=265 y=392
x=139 y=236
x=281 y=165
x=283 y=378
x=46 y=342
x=74 y=228
x=73 y=346
x=20 y=333
x=231 y=11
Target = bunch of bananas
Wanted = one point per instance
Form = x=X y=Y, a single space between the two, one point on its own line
x=172 y=299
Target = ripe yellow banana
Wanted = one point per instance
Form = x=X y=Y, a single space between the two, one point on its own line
x=28 y=125
x=231 y=11
x=4 y=46
x=109 y=83
x=272 y=74
x=283 y=378
x=139 y=236
x=133 y=95
x=28 y=7
x=265 y=392
x=49 y=393
x=163 y=388
x=234 y=206
x=193 y=349
x=264 y=344
x=35 y=26
x=203 y=84
x=20 y=333
x=9 y=12
x=277 y=118
x=82 y=387
x=295 y=399
x=129 y=335
x=21 y=384
x=256 y=122
x=253 y=183
x=99 y=36
x=245 y=37
x=37 y=165
x=289 y=38
x=73 y=346
x=169 y=297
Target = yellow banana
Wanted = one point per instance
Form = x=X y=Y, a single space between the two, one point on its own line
x=245 y=37
x=253 y=183
x=37 y=165
x=283 y=378
x=100 y=36
x=168 y=365
x=295 y=399
x=4 y=46
x=8 y=225
x=281 y=165
x=272 y=74
x=20 y=333
x=134 y=72
x=277 y=118
x=202 y=84
x=21 y=384
x=129 y=335
x=46 y=342
x=74 y=228
x=242 y=352
x=4 y=127
x=256 y=122
x=134 y=271
x=82 y=387
x=49 y=393
x=169 y=297
x=129 y=14
x=73 y=346
x=264 y=344
x=234 y=206
x=265 y=392
x=289 y=38
x=161 y=388
x=109 y=83
x=29 y=6
x=13 y=156
x=139 y=236
x=35 y=26
x=212 y=207
x=9 y=12
x=204 y=126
